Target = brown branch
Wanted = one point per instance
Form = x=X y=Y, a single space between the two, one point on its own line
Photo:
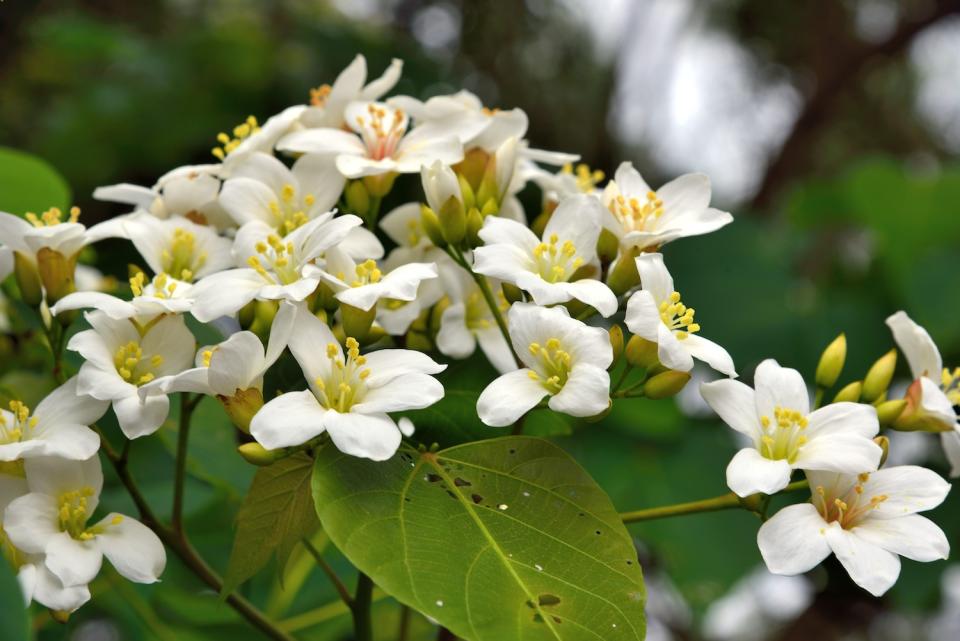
x=794 y=154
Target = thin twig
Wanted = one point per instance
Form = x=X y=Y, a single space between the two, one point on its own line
x=337 y=583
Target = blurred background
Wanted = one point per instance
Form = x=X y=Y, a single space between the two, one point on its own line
x=830 y=128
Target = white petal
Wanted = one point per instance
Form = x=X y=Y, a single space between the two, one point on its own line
x=749 y=472
x=871 y=567
x=385 y=365
x=454 y=338
x=31 y=521
x=224 y=293
x=140 y=418
x=844 y=453
x=502 y=231
x=133 y=549
x=46 y=589
x=247 y=200
x=54 y=476
x=643 y=316
x=909 y=489
x=586 y=392
x=735 y=403
x=913 y=536
x=844 y=418
x=792 y=541
x=109 y=305
x=508 y=398
x=410 y=392
x=308 y=343
x=69 y=441
x=710 y=353
x=577 y=219
x=103 y=384
x=671 y=351
x=496 y=349
x=916 y=345
x=654 y=276
x=289 y=419
x=503 y=261
x=318 y=177
x=322 y=141
x=372 y=436
x=73 y=562
x=596 y=294
x=236 y=364
x=951 y=447
x=690 y=192
x=171 y=339
x=65 y=405
x=779 y=387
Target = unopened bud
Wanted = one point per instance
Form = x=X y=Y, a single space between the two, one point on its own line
x=511 y=292
x=831 y=362
x=60 y=616
x=490 y=208
x=242 y=406
x=884 y=444
x=257 y=454
x=624 y=275
x=56 y=273
x=246 y=314
x=357 y=322
x=877 y=380
x=850 y=393
x=641 y=352
x=28 y=280
x=466 y=193
x=474 y=225
x=665 y=384
x=379 y=185
x=358 y=198
x=607 y=246
x=453 y=221
x=540 y=222
x=616 y=341
x=890 y=411
x=473 y=166
x=431 y=225
x=263 y=313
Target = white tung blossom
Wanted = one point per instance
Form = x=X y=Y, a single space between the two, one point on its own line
x=349 y=396
x=328 y=103
x=162 y=295
x=52 y=520
x=785 y=435
x=657 y=313
x=544 y=268
x=866 y=520
x=563 y=358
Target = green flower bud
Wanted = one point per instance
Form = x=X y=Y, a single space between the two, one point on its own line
x=511 y=292
x=28 y=280
x=877 y=380
x=616 y=341
x=431 y=226
x=257 y=454
x=641 y=353
x=357 y=197
x=466 y=192
x=624 y=274
x=890 y=411
x=356 y=322
x=884 y=444
x=379 y=185
x=453 y=221
x=850 y=393
x=474 y=225
x=242 y=406
x=666 y=384
x=831 y=362
x=607 y=246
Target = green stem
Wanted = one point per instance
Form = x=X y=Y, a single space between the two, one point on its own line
x=403 y=632
x=360 y=607
x=180 y=474
x=623 y=376
x=818 y=397
x=337 y=583
x=723 y=502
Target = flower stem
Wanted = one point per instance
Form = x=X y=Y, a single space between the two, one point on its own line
x=179 y=480
x=723 y=502
x=337 y=583
x=360 y=608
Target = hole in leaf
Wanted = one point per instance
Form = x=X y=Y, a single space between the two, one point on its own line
x=477 y=498
x=459 y=482
x=548 y=599
x=433 y=478
x=537 y=618
x=557 y=620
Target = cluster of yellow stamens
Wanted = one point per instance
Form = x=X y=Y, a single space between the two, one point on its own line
x=52 y=216
x=181 y=258
x=587 y=179
x=279 y=257
x=72 y=515
x=635 y=216
x=784 y=435
x=556 y=262
x=950 y=382
x=345 y=385
x=240 y=133
x=678 y=317
x=381 y=134
x=23 y=423
x=850 y=509
x=554 y=365
x=288 y=213
x=133 y=367
x=365 y=273
x=163 y=286
x=319 y=95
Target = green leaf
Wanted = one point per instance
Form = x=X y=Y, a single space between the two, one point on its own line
x=28 y=183
x=502 y=539
x=276 y=514
x=15 y=617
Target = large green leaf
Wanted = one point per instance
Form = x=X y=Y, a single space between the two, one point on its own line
x=505 y=539
x=28 y=183
x=276 y=514
x=13 y=615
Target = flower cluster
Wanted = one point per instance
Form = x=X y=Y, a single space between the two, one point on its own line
x=280 y=246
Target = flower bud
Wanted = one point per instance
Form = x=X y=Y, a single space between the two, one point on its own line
x=665 y=384
x=356 y=322
x=850 y=393
x=831 y=362
x=263 y=313
x=616 y=341
x=884 y=444
x=915 y=418
x=466 y=192
x=890 y=411
x=474 y=225
x=453 y=220
x=540 y=222
x=56 y=273
x=878 y=379
x=379 y=185
x=60 y=616
x=28 y=280
x=358 y=198
x=257 y=454
x=641 y=352
x=431 y=225
x=473 y=166
x=607 y=246
x=512 y=293
x=624 y=274
x=242 y=406
x=246 y=314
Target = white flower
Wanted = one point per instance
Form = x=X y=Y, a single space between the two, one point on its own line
x=362 y=285
x=250 y=137
x=565 y=360
x=6 y=262
x=785 y=434
x=51 y=230
x=402 y=224
x=512 y=253
x=378 y=142
x=349 y=395
x=866 y=520
x=936 y=389
x=57 y=427
x=262 y=188
x=657 y=314
x=468 y=321
x=121 y=357
x=178 y=246
x=641 y=217
x=236 y=364
x=276 y=265
x=328 y=103
x=52 y=520
x=36 y=582
x=394 y=315
x=162 y=295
